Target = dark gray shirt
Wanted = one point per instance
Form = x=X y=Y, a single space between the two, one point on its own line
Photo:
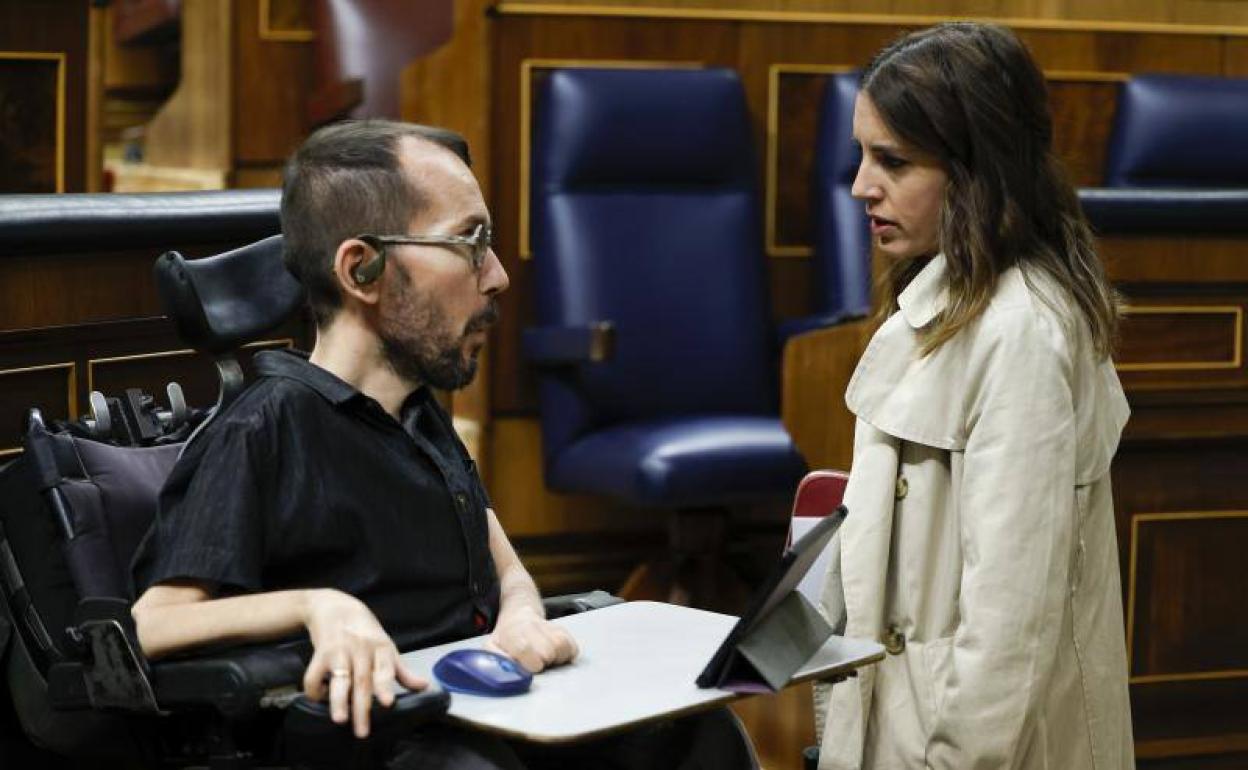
x=305 y=482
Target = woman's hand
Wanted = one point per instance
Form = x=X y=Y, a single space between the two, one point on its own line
x=353 y=658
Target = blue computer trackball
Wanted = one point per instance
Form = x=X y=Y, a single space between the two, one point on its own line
x=481 y=672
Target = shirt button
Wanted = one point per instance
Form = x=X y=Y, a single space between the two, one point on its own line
x=903 y=488
x=894 y=641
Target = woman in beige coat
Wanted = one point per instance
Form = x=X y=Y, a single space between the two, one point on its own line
x=980 y=543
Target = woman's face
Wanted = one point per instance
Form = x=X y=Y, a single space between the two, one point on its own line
x=902 y=186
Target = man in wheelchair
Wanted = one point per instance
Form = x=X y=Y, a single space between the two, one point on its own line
x=333 y=496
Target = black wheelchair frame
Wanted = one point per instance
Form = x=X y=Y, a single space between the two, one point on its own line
x=73 y=509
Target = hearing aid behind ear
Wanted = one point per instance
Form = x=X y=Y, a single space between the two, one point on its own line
x=367 y=272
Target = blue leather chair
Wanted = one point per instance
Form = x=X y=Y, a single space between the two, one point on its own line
x=1180 y=131
x=1177 y=160
x=842 y=236
x=646 y=233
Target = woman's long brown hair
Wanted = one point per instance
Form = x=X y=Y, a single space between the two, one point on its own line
x=971 y=95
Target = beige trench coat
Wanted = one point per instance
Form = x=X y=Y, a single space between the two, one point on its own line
x=980 y=545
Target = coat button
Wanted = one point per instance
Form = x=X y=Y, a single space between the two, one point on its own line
x=894 y=641
x=903 y=487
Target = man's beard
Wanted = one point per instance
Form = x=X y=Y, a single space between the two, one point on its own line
x=419 y=347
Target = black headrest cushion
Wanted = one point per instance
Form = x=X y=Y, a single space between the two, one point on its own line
x=219 y=303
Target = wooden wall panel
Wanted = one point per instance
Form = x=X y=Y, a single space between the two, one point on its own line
x=44 y=46
x=1186 y=587
x=274 y=76
x=50 y=387
x=1193 y=16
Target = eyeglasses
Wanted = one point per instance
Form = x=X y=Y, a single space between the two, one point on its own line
x=478 y=243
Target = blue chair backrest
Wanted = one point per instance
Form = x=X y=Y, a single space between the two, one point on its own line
x=842 y=240
x=1180 y=131
x=645 y=214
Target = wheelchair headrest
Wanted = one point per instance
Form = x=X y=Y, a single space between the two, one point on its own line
x=218 y=303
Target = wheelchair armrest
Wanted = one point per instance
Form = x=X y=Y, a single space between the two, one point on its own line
x=550 y=346
x=795 y=326
x=236 y=683
x=113 y=673
x=572 y=604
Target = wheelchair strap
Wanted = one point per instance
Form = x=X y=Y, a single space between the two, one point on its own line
x=18 y=602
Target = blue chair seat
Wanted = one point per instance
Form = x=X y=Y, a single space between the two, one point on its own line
x=683 y=461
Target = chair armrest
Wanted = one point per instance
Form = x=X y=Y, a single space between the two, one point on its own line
x=236 y=683
x=572 y=604
x=1140 y=210
x=112 y=672
x=795 y=326
x=549 y=346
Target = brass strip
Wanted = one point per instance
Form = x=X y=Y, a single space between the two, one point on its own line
x=1237 y=357
x=268 y=32
x=1193 y=677
x=772 y=154
x=1086 y=76
x=871 y=19
x=92 y=362
x=286 y=342
x=71 y=391
x=526 y=118
x=59 y=58
x=1133 y=561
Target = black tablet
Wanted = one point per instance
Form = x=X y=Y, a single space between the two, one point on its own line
x=782 y=581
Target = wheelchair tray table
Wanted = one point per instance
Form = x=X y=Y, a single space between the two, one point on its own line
x=637 y=664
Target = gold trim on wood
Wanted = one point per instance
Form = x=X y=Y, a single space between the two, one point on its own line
x=772 y=153
x=1086 y=76
x=59 y=58
x=1237 y=357
x=268 y=32
x=286 y=342
x=1187 y=676
x=871 y=19
x=526 y=118
x=71 y=391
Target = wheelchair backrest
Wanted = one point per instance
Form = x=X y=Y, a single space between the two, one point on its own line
x=74 y=512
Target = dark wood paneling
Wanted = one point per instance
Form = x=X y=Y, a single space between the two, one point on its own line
x=1083 y=114
x=273 y=78
x=28 y=26
x=1192 y=337
x=1188 y=590
x=798 y=98
x=51 y=387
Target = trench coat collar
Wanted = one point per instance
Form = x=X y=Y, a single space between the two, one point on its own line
x=925 y=297
x=901 y=392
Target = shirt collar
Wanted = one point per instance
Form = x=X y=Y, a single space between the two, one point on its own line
x=926 y=295
x=294 y=365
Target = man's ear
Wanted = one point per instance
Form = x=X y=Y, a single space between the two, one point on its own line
x=357 y=267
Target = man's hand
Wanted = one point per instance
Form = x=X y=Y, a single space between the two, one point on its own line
x=353 y=652
x=530 y=639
